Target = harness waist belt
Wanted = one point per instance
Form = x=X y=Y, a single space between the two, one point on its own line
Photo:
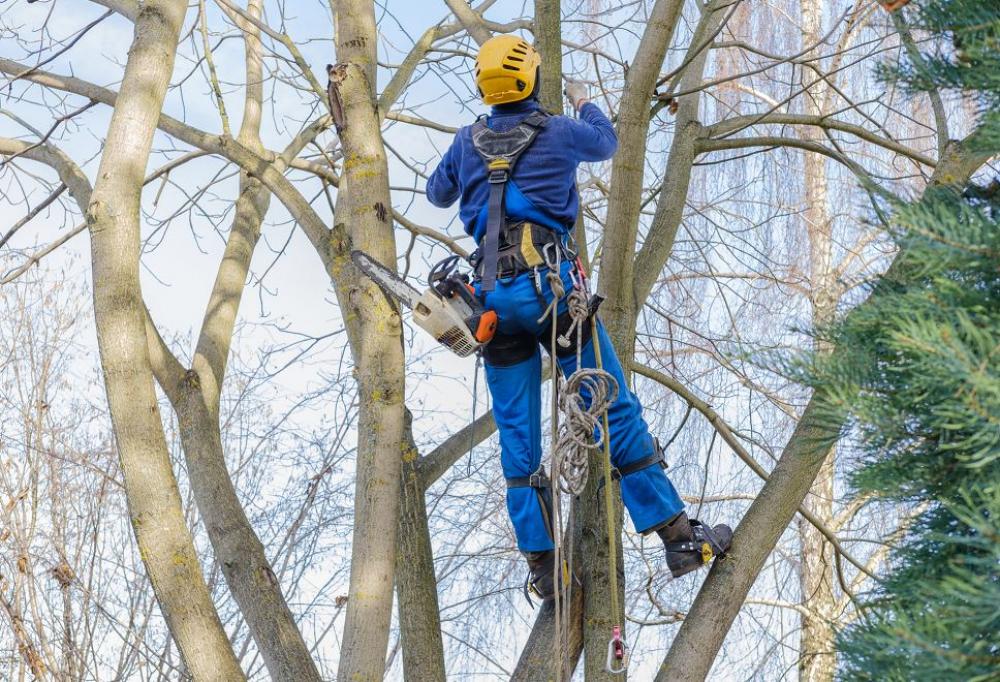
x=523 y=246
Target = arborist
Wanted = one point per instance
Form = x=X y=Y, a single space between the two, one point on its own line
x=514 y=174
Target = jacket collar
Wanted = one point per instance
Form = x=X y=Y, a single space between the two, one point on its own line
x=525 y=106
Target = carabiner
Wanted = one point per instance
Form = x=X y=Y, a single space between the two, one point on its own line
x=554 y=262
x=618 y=653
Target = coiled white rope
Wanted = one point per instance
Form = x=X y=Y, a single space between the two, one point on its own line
x=581 y=431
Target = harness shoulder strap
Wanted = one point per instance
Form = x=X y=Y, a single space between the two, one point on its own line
x=500 y=151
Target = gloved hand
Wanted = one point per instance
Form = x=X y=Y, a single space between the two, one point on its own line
x=577 y=94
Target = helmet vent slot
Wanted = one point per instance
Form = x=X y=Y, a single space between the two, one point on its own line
x=511 y=68
x=515 y=59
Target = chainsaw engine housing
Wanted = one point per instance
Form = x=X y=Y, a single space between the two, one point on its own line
x=446 y=320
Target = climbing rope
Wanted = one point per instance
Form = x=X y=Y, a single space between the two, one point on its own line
x=583 y=399
x=552 y=310
x=618 y=653
x=582 y=430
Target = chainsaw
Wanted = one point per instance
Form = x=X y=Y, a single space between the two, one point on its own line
x=449 y=310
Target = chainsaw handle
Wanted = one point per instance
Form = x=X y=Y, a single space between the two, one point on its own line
x=442 y=270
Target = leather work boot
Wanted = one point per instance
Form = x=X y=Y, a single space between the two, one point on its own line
x=691 y=544
x=542 y=579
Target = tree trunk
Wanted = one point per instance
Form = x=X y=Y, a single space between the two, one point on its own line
x=598 y=616
x=548 y=42
x=237 y=548
x=619 y=309
x=537 y=662
x=195 y=396
x=817 y=660
x=659 y=243
x=624 y=201
x=113 y=219
x=364 y=221
x=416 y=582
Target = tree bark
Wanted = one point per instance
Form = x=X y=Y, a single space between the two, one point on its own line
x=548 y=42
x=659 y=242
x=618 y=313
x=538 y=660
x=416 y=582
x=154 y=502
x=598 y=615
x=468 y=17
x=364 y=221
x=720 y=598
x=624 y=201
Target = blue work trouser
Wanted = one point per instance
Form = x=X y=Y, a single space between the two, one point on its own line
x=514 y=373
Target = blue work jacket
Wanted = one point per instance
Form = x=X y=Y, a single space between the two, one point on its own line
x=542 y=188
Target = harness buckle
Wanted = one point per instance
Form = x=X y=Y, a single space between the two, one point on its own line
x=498 y=176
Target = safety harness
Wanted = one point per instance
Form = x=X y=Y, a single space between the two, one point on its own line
x=500 y=151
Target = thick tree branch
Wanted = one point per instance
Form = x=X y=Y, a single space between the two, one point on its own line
x=70 y=174
x=127 y=8
x=659 y=242
x=470 y=19
x=732 y=441
x=435 y=463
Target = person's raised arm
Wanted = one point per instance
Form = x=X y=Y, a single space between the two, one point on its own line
x=593 y=135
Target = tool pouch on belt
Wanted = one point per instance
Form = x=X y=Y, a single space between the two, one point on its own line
x=500 y=151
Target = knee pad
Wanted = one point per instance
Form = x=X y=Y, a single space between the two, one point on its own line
x=507 y=350
x=563 y=323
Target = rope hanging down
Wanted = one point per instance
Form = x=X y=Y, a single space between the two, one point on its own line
x=584 y=429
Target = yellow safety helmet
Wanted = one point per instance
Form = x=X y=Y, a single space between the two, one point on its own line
x=506 y=70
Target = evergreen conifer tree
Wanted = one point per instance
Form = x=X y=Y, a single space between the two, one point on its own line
x=919 y=389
